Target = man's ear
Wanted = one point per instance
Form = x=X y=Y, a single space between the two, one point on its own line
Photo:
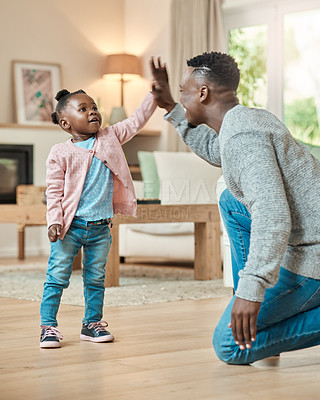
x=203 y=93
x=64 y=123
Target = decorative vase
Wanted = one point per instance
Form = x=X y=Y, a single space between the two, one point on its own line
x=117 y=114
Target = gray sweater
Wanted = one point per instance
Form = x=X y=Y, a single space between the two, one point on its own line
x=277 y=179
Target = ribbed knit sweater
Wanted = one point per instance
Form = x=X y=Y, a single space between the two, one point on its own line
x=277 y=179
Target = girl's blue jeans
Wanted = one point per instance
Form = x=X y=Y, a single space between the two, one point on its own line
x=289 y=317
x=96 y=242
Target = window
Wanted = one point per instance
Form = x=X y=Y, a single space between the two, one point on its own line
x=277 y=50
x=301 y=92
x=248 y=46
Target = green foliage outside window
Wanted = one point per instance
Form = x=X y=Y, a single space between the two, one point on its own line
x=302 y=121
x=247 y=46
x=299 y=109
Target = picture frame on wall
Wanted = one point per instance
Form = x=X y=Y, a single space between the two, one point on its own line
x=35 y=86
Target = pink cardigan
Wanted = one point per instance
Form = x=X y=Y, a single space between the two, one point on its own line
x=67 y=167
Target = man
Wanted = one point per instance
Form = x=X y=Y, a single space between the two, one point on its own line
x=270 y=209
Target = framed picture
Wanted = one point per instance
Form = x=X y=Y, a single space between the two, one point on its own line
x=35 y=87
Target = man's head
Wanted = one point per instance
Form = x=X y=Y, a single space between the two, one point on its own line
x=219 y=68
x=209 y=85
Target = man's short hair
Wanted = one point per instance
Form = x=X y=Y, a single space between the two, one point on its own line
x=218 y=68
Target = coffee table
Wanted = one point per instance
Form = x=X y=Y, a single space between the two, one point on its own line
x=206 y=219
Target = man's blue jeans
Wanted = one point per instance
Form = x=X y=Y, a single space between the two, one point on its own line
x=96 y=242
x=289 y=317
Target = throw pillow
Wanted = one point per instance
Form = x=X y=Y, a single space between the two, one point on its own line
x=185 y=178
x=149 y=174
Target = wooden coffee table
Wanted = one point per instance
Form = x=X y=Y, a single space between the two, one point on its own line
x=206 y=219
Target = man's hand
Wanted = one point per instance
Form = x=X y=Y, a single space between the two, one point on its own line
x=160 y=85
x=54 y=232
x=244 y=317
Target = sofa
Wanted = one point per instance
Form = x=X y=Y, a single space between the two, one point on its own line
x=174 y=178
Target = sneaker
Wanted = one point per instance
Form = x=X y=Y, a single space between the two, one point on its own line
x=50 y=337
x=96 y=332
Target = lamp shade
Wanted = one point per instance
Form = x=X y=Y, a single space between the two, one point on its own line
x=122 y=64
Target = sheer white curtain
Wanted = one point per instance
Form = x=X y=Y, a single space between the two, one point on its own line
x=196 y=27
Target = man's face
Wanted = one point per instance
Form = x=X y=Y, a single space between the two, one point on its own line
x=190 y=98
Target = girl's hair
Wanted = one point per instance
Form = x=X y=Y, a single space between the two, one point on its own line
x=62 y=98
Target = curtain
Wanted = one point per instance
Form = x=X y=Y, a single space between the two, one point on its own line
x=196 y=27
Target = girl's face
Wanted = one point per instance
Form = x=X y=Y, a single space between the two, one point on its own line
x=81 y=117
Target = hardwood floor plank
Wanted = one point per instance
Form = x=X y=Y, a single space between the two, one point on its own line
x=162 y=351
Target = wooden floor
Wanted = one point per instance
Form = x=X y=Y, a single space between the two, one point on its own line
x=162 y=352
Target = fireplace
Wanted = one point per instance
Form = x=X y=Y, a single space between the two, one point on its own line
x=16 y=167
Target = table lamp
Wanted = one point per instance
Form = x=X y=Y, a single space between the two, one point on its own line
x=123 y=65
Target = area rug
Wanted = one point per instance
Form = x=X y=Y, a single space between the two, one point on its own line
x=138 y=285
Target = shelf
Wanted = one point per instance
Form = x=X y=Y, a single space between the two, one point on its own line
x=19 y=126
x=56 y=127
x=134 y=169
x=149 y=133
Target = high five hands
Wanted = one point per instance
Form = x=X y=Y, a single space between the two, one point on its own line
x=244 y=317
x=160 y=85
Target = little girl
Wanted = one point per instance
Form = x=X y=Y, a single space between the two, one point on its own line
x=88 y=181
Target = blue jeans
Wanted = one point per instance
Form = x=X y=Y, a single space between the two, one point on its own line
x=289 y=317
x=96 y=241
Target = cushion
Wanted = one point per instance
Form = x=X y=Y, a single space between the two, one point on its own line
x=185 y=178
x=149 y=174
x=139 y=189
x=170 y=228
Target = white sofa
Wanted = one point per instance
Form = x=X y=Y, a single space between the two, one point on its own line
x=184 y=178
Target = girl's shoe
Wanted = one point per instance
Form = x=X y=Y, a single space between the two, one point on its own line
x=50 y=337
x=96 y=332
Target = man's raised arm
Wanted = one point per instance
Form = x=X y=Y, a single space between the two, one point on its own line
x=201 y=139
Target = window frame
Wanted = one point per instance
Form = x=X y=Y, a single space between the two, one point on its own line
x=271 y=14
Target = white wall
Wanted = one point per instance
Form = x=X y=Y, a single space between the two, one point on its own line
x=75 y=33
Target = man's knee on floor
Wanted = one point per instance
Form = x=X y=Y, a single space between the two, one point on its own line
x=225 y=347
